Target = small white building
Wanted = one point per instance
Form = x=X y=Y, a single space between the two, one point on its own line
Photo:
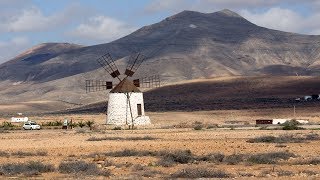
x=126 y=105
x=279 y=121
x=19 y=119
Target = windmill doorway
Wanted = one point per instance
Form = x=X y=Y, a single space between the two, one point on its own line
x=139 y=109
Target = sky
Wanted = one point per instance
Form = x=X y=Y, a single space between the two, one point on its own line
x=26 y=23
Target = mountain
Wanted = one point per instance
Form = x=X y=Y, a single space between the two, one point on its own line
x=188 y=45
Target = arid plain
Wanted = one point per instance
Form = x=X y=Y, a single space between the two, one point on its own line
x=171 y=147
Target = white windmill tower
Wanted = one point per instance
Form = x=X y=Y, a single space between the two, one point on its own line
x=125 y=104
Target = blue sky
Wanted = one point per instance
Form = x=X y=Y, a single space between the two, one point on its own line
x=26 y=23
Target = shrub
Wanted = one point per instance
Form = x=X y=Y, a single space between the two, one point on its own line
x=269 y=158
x=291 y=125
x=150 y=173
x=4 y=154
x=234 y=159
x=81 y=167
x=6 y=124
x=121 y=138
x=117 y=128
x=29 y=168
x=72 y=124
x=130 y=152
x=137 y=167
x=313 y=161
x=216 y=157
x=89 y=124
x=308 y=172
x=312 y=137
x=22 y=153
x=81 y=124
x=108 y=163
x=200 y=173
x=265 y=139
x=285 y=139
x=179 y=156
x=285 y=173
x=197 y=125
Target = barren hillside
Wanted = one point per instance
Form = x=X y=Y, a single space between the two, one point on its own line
x=188 y=45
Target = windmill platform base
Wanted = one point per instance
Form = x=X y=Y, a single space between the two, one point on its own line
x=138 y=121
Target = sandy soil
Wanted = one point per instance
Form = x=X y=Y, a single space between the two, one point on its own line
x=171 y=134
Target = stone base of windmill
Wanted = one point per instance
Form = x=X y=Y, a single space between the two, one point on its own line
x=138 y=121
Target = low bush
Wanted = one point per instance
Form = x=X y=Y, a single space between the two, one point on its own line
x=200 y=173
x=81 y=167
x=130 y=152
x=215 y=157
x=81 y=124
x=179 y=156
x=284 y=173
x=52 y=123
x=197 y=125
x=269 y=158
x=313 y=161
x=234 y=159
x=29 y=168
x=285 y=138
x=291 y=125
x=117 y=128
x=150 y=173
x=121 y=138
x=4 y=154
x=308 y=172
x=23 y=153
x=90 y=124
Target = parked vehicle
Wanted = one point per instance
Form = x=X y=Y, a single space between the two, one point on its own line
x=31 y=126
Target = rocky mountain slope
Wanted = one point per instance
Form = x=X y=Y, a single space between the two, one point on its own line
x=188 y=45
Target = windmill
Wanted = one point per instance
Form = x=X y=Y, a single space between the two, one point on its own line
x=125 y=104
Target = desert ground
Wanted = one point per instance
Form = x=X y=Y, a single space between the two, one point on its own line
x=169 y=148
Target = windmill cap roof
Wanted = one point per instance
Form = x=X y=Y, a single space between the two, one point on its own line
x=125 y=86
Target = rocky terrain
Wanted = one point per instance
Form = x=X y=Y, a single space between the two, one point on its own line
x=189 y=45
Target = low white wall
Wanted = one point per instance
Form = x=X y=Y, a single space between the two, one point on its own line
x=19 y=119
x=119 y=110
x=279 y=121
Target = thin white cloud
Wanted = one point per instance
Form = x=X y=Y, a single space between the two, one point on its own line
x=214 y=5
x=276 y=18
x=12 y=47
x=285 y=20
x=102 y=29
x=33 y=19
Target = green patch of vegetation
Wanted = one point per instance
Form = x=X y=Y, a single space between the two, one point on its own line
x=291 y=125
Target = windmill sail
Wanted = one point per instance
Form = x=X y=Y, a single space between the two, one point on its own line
x=134 y=63
x=97 y=85
x=148 y=82
x=108 y=64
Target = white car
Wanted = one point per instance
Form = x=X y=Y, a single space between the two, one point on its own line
x=31 y=126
